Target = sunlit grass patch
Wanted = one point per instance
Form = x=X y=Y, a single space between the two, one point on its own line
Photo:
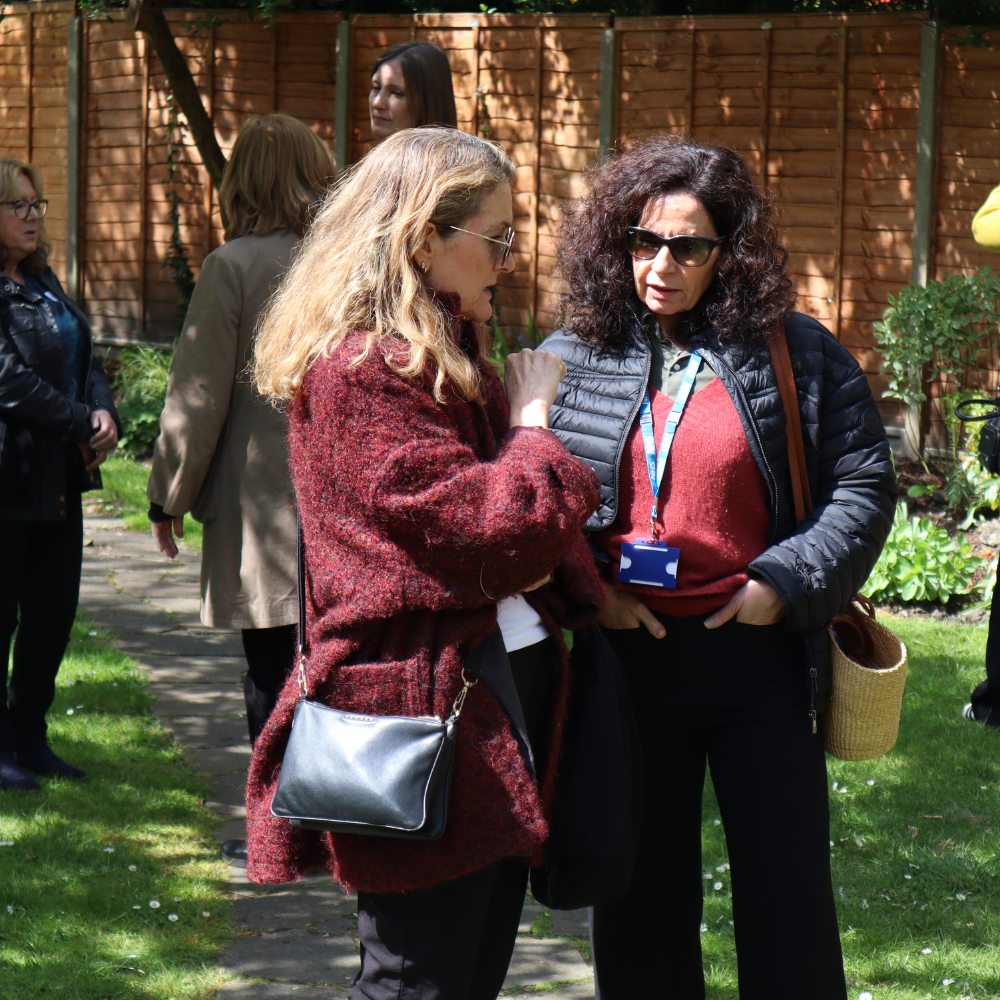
x=916 y=838
x=83 y=861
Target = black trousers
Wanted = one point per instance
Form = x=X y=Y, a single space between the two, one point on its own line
x=736 y=697
x=270 y=654
x=453 y=941
x=986 y=697
x=40 y=564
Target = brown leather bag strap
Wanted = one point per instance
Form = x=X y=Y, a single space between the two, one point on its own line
x=782 y=362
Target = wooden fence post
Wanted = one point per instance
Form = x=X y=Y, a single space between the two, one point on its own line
x=342 y=106
x=537 y=174
x=608 y=129
x=923 y=207
x=838 y=235
x=29 y=58
x=765 y=99
x=74 y=154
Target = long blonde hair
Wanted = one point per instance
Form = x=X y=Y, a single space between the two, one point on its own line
x=355 y=269
x=35 y=263
x=278 y=170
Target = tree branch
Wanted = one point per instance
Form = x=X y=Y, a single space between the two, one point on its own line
x=147 y=16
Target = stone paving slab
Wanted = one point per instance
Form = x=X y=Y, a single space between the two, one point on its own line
x=297 y=940
x=545 y=960
x=194 y=669
x=221 y=760
x=287 y=909
x=198 y=699
x=205 y=731
x=281 y=991
x=294 y=955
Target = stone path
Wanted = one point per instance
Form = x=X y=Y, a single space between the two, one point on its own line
x=295 y=940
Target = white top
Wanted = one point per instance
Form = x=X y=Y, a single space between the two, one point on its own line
x=520 y=624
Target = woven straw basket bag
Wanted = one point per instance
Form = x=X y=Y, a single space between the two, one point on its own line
x=869 y=662
x=862 y=720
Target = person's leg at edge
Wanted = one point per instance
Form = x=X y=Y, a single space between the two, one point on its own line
x=270 y=655
x=15 y=541
x=986 y=697
x=648 y=944
x=452 y=941
x=49 y=593
x=769 y=773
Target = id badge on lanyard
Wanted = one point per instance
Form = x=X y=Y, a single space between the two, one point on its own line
x=652 y=563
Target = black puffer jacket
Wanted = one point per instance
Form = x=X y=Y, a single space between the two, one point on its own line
x=40 y=426
x=815 y=567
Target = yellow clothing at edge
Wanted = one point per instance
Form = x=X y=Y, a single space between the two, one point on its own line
x=986 y=224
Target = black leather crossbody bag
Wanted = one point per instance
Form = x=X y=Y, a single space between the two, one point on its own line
x=384 y=776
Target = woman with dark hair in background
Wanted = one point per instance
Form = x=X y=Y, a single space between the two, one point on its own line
x=57 y=424
x=221 y=454
x=411 y=86
x=716 y=598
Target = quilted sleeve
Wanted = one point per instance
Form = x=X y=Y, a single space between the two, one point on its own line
x=827 y=558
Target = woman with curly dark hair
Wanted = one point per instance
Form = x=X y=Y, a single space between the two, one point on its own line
x=676 y=279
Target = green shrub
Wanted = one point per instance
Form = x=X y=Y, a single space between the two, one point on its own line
x=142 y=388
x=921 y=562
x=938 y=330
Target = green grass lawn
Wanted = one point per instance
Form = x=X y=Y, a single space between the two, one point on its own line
x=124 y=495
x=918 y=897
x=110 y=888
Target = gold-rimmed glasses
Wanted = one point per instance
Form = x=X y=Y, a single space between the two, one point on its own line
x=507 y=243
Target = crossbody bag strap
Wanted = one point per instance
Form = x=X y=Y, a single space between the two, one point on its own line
x=782 y=362
x=302 y=642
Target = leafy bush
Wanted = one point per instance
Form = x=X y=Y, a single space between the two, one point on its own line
x=142 y=389
x=937 y=330
x=921 y=562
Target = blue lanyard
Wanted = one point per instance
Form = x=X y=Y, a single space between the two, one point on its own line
x=656 y=465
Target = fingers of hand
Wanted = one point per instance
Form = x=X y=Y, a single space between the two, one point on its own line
x=178 y=523
x=650 y=620
x=725 y=614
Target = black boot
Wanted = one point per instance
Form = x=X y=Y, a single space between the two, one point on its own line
x=43 y=761
x=11 y=775
x=235 y=852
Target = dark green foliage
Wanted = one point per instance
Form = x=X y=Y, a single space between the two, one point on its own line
x=964 y=12
x=141 y=387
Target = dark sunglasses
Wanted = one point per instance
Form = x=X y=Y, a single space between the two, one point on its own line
x=689 y=251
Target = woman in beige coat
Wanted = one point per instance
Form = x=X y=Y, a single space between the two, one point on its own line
x=221 y=455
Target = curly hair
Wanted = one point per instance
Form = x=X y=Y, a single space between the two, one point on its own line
x=751 y=290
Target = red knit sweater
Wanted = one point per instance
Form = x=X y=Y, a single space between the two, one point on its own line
x=713 y=503
x=410 y=510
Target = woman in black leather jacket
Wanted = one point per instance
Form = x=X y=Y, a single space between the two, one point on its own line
x=57 y=424
x=716 y=598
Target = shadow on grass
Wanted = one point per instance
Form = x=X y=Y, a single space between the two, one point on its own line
x=83 y=863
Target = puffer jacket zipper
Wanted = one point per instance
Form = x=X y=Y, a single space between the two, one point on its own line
x=772 y=483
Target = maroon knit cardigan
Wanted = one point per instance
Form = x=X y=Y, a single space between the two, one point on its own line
x=412 y=512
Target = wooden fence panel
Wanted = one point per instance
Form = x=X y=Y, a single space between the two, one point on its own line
x=33 y=103
x=823 y=108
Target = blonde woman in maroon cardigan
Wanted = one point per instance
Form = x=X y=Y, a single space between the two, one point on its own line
x=431 y=500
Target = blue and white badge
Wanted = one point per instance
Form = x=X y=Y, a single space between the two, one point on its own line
x=650 y=563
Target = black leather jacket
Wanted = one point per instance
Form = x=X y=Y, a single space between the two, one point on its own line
x=815 y=567
x=40 y=426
